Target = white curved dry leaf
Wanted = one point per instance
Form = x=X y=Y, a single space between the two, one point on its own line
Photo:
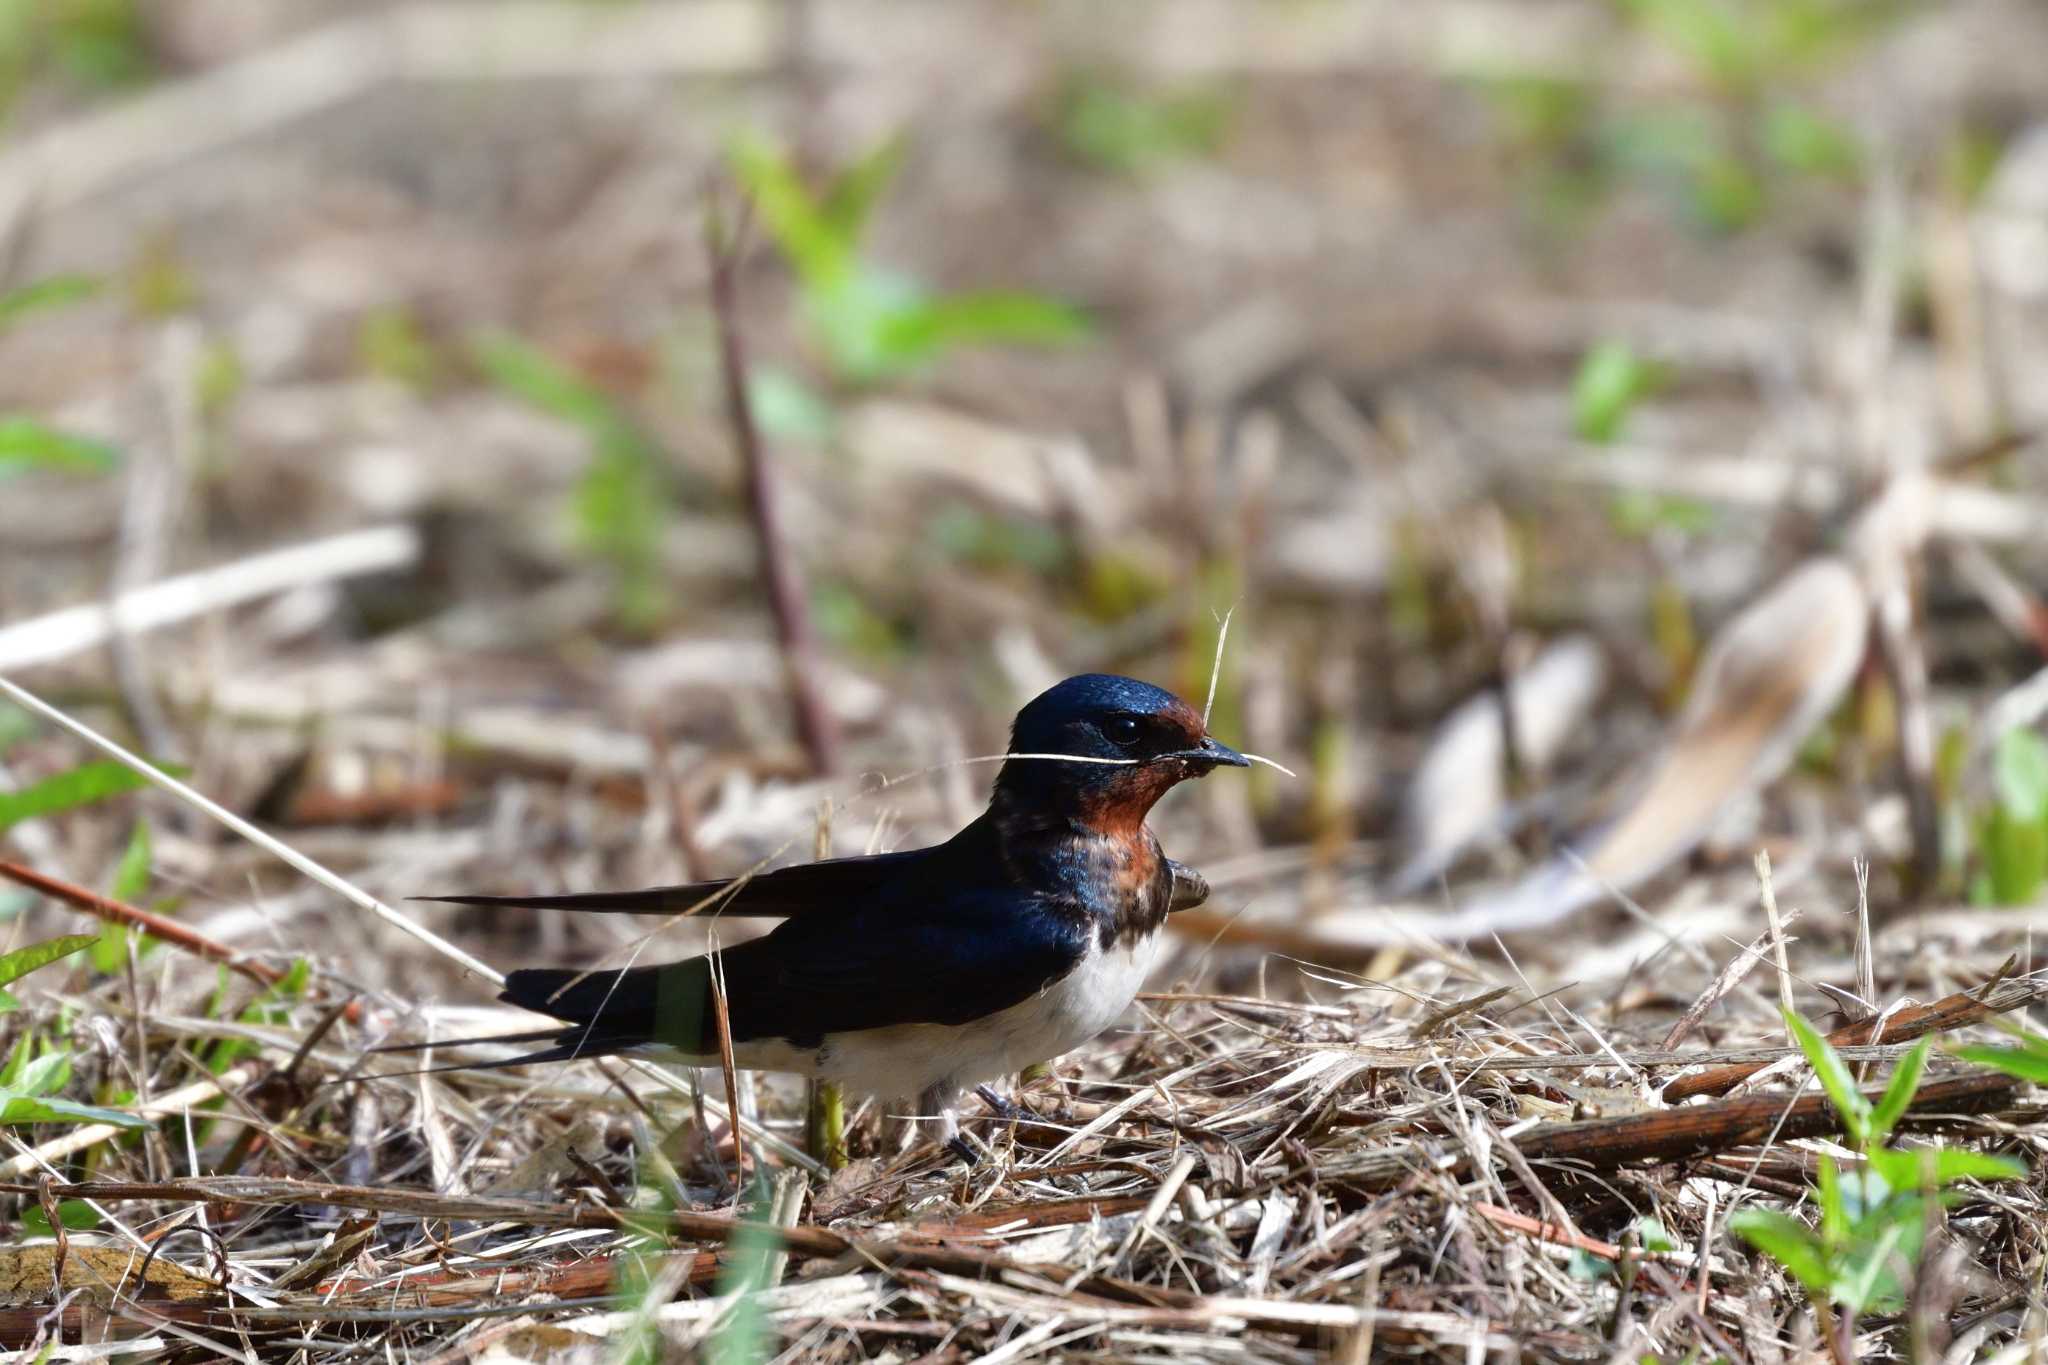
x=1460 y=788
x=1770 y=675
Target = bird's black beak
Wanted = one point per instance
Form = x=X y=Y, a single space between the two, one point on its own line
x=1211 y=753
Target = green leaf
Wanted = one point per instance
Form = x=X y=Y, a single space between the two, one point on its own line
x=1545 y=112
x=1925 y=1169
x=1833 y=1204
x=37 y=296
x=22 y=961
x=17 y=1109
x=1726 y=194
x=621 y=509
x=850 y=202
x=17 y=1061
x=1834 y=1077
x=46 y=1075
x=788 y=409
x=28 y=444
x=80 y=786
x=742 y=1338
x=131 y=877
x=1651 y=1233
x=621 y=506
x=2015 y=857
x=392 y=346
x=1801 y=140
x=525 y=370
x=1131 y=132
x=1611 y=381
x=821 y=255
x=1639 y=512
x=2028 y=1063
x=15 y=725
x=853 y=316
x=110 y=950
x=1790 y=1243
x=1959 y=1163
x=73 y=1214
x=1584 y=1265
x=2019 y=774
x=1874 y=1271
x=1897 y=1095
x=990 y=317
x=1717 y=40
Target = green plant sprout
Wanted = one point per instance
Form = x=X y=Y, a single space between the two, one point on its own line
x=131 y=879
x=45 y=295
x=1113 y=128
x=1611 y=381
x=33 y=1076
x=1751 y=128
x=2012 y=835
x=871 y=323
x=1873 y=1217
x=625 y=501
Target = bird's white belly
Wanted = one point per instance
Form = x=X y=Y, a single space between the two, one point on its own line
x=906 y=1059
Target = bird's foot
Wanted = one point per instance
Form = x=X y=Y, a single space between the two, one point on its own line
x=1009 y=1111
x=959 y=1146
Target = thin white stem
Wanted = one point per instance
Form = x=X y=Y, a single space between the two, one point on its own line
x=333 y=881
x=61 y=634
x=1216 y=665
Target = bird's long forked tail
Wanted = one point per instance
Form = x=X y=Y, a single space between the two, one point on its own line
x=570 y=1044
x=604 y=1013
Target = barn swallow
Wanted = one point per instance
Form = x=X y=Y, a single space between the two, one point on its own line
x=924 y=972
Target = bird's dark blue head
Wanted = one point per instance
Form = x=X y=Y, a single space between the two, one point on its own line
x=1151 y=738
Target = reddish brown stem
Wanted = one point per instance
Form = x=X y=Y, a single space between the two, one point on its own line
x=814 y=723
x=153 y=924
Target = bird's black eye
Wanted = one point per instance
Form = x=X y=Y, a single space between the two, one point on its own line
x=1121 y=731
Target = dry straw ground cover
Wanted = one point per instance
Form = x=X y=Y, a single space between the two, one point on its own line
x=528 y=445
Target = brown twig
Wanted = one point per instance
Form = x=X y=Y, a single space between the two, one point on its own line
x=806 y=1240
x=1672 y=1134
x=1667 y=1134
x=153 y=924
x=729 y=1068
x=1550 y=1232
x=1950 y=1012
x=814 y=721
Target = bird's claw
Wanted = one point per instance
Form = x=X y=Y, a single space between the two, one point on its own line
x=959 y=1146
x=1009 y=1111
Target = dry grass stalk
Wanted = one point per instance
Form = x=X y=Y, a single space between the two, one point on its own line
x=1955 y=1011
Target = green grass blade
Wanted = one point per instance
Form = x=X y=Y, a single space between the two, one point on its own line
x=1789 y=1242
x=1834 y=1076
x=19 y=1109
x=80 y=786
x=22 y=961
x=37 y=296
x=1905 y=1081
x=2027 y=1063
x=27 y=444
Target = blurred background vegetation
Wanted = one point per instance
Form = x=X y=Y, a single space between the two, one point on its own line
x=1416 y=337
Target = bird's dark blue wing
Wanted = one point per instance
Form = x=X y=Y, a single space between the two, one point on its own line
x=935 y=959
x=781 y=892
